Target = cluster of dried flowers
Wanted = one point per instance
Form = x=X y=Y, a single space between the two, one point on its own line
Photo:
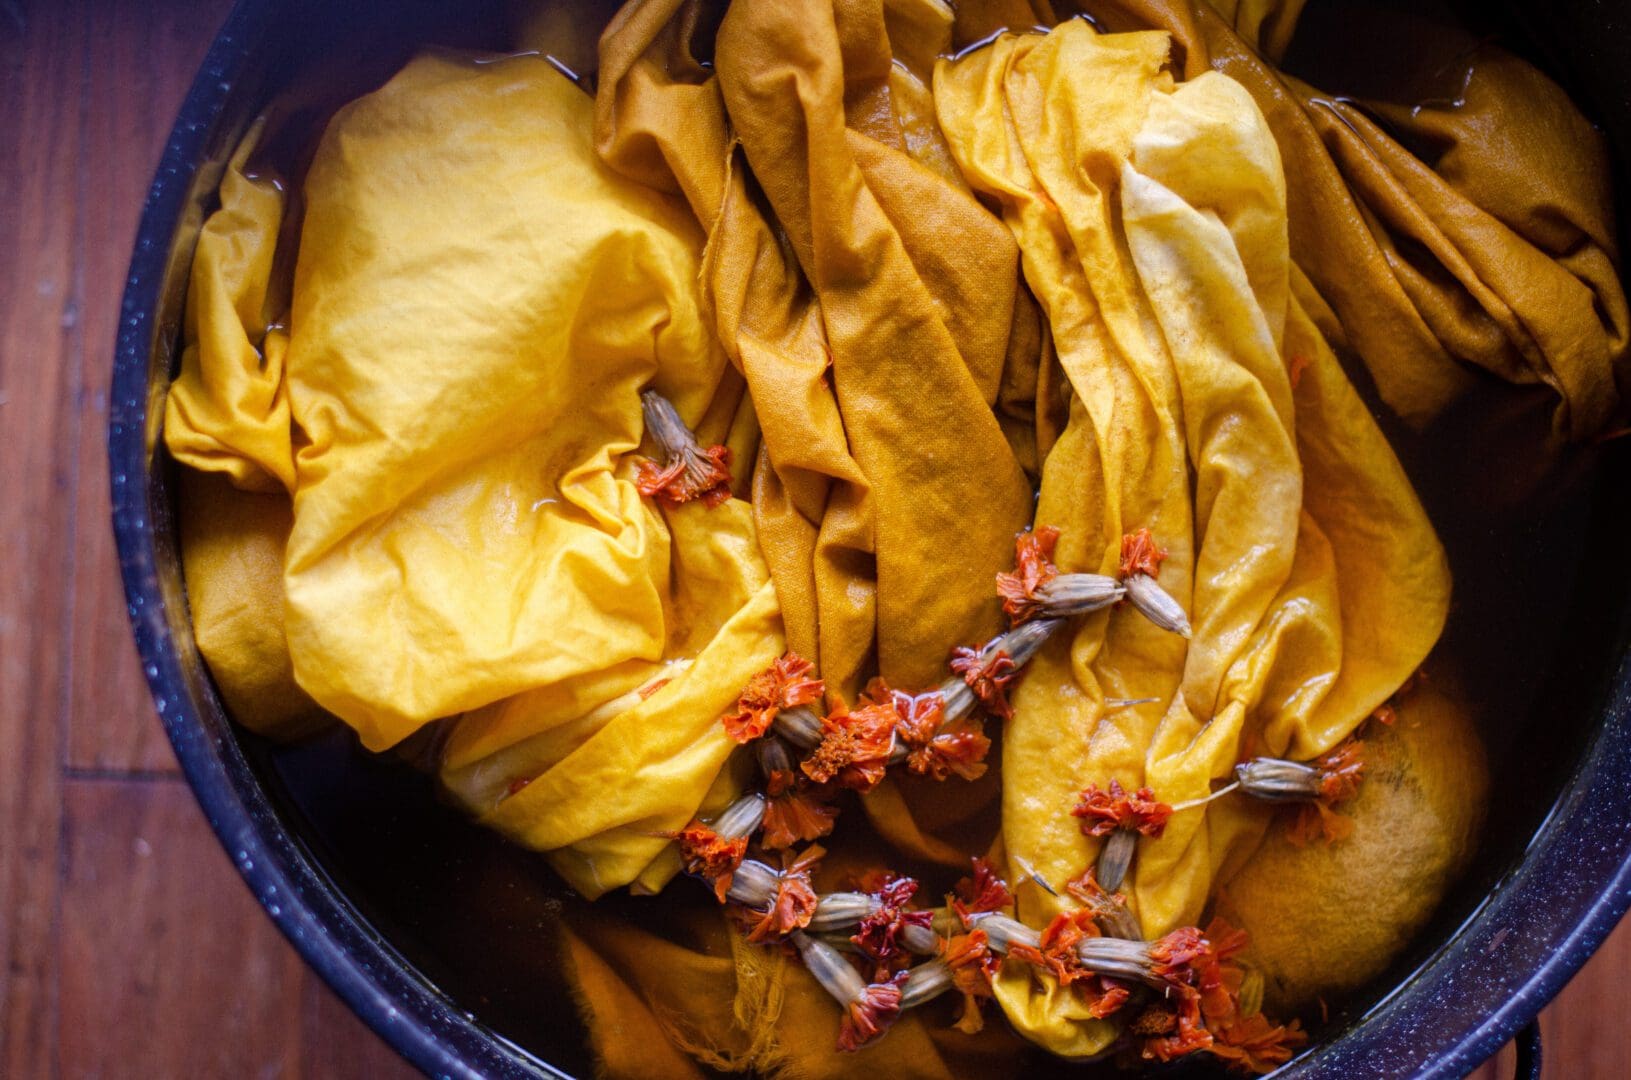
x=1179 y=994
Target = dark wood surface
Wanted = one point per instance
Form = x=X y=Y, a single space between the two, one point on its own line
x=128 y=945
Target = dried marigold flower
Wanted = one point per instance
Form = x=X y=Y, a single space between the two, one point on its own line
x=795 y=901
x=1341 y=770
x=709 y=856
x=1175 y=957
x=1140 y=555
x=871 y=1013
x=1218 y=978
x=878 y=934
x=934 y=748
x=795 y=810
x=782 y=685
x=1109 y=909
x=1033 y=568
x=1338 y=776
x=688 y=471
x=983 y=892
x=988 y=675
x=1058 y=952
x=1255 y=1044
x=854 y=748
x=1103 y=812
x=1186 y=1035
x=972 y=963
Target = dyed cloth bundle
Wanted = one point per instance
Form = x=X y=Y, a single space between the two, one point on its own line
x=1097 y=281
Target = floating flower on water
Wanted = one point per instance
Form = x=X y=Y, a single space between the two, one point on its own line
x=782 y=685
x=1255 y=1044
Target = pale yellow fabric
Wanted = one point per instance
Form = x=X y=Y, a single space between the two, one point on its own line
x=228 y=409
x=1152 y=221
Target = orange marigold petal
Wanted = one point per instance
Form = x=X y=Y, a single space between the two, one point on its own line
x=708 y=855
x=1033 y=568
x=1104 y=811
x=782 y=685
x=988 y=676
x=871 y=1014
x=1140 y=555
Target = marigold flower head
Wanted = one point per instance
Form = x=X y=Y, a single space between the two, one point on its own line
x=795 y=901
x=795 y=810
x=782 y=685
x=1341 y=770
x=983 y=892
x=709 y=856
x=871 y=1014
x=1140 y=555
x=854 y=748
x=972 y=964
x=878 y=934
x=688 y=471
x=933 y=750
x=988 y=675
x=1255 y=1044
x=1033 y=568
x=694 y=474
x=1104 y=811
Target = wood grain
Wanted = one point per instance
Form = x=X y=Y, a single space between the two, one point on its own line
x=38 y=458
x=128 y=945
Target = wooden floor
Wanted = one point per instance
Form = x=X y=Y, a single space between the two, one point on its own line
x=130 y=947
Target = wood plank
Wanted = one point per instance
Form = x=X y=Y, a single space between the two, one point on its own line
x=41 y=61
x=140 y=60
x=334 y=1043
x=169 y=968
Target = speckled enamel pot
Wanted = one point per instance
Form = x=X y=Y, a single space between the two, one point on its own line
x=303 y=824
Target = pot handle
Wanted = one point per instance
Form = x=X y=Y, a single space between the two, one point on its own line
x=1528 y=1046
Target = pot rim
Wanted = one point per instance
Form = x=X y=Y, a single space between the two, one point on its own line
x=1503 y=964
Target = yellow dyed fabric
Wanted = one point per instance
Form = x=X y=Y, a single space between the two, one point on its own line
x=871 y=303
x=694 y=997
x=227 y=418
x=1152 y=221
x=1458 y=220
x=232 y=560
x=228 y=409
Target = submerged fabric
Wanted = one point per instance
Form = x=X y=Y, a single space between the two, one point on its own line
x=1153 y=226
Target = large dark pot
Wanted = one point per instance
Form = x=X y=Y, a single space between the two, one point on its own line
x=436 y=933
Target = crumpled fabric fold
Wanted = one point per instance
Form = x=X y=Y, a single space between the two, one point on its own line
x=1494 y=253
x=1152 y=221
